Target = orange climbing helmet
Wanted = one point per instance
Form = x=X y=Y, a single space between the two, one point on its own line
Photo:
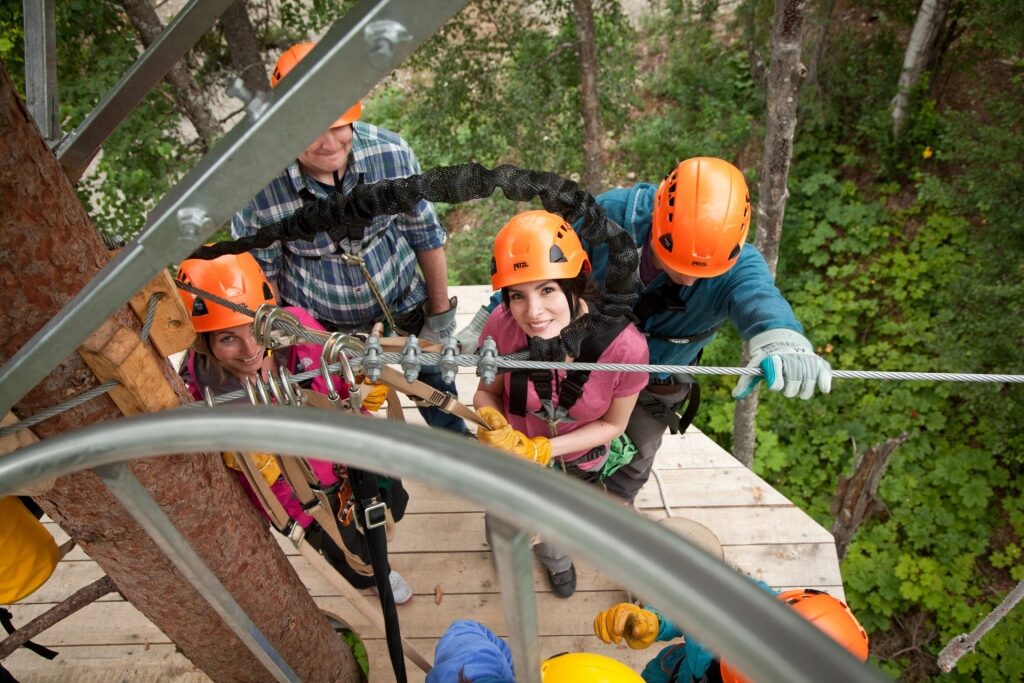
x=536 y=245
x=827 y=613
x=583 y=666
x=701 y=217
x=287 y=61
x=235 y=277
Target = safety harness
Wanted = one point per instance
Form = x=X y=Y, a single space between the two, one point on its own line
x=662 y=299
x=570 y=388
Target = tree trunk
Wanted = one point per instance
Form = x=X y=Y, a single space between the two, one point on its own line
x=593 y=172
x=187 y=95
x=48 y=251
x=856 y=497
x=244 y=47
x=785 y=75
x=920 y=52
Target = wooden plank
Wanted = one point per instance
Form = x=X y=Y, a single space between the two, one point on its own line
x=709 y=487
x=172 y=330
x=117 y=352
x=101 y=623
x=754 y=525
x=149 y=663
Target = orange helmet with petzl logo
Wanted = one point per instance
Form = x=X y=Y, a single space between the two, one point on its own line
x=536 y=245
x=235 y=277
x=287 y=61
x=701 y=217
x=827 y=613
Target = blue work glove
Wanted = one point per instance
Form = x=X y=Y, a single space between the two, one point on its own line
x=789 y=365
x=469 y=335
x=439 y=326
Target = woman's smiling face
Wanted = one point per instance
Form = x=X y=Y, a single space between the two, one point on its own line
x=540 y=308
x=237 y=351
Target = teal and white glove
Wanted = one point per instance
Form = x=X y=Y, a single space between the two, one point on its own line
x=789 y=365
x=439 y=326
x=469 y=335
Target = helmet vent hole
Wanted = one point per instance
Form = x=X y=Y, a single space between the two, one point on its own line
x=672 y=187
x=199 y=308
x=494 y=267
x=735 y=252
x=672 y=200
x=666 y=240
x=267 y=294
x=556 y=255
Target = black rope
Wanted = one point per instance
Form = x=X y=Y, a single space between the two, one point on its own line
x=339 y=213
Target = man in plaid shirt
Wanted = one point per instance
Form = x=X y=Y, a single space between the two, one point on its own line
x=319 y=275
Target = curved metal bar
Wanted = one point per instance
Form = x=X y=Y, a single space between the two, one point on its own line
x=720 y=607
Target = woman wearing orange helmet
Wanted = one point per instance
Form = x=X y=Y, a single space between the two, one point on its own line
x=697 y=273
x=226 y=354
x=689 y=662
x=562 y=419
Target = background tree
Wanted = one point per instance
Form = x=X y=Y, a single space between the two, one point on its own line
x=785 y=75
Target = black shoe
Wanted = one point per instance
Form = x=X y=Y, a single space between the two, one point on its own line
x=563 y=583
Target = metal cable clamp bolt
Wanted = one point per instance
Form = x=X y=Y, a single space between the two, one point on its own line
x=372 y=363
x=411 y=359
x=487 y=368
x=449 y=366
x=255 y=105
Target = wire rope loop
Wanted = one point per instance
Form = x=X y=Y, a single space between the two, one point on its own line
x=267 y=316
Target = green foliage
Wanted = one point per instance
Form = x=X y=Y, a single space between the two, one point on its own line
x=699 y=101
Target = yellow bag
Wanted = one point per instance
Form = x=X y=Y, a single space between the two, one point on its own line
x=28 y=553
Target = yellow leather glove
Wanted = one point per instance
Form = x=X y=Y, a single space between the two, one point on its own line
x=503 y=437
x=374 y=395
x=625 y=620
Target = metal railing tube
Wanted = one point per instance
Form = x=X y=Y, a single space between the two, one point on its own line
x=137 y=501
x=703 y=596
x=514 y=564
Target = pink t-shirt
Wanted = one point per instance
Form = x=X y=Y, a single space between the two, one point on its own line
x=599 y=391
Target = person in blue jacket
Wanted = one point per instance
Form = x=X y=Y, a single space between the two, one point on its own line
x=696 y=273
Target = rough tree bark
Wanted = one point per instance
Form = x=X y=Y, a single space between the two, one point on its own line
x=856 y=497
x=188 y=96
x=593 y=171
x=48 y=251
x=822 y=41
x=920 y=53
x=785 y=75
x=244 y=47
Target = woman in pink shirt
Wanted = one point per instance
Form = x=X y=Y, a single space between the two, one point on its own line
x=562 y=419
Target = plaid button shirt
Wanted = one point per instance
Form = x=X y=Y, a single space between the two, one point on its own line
x=311 y=274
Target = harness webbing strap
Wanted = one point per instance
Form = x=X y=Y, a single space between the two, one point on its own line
x=439 y=399
x=572 y=386
x=366 y=492
x=269 y=502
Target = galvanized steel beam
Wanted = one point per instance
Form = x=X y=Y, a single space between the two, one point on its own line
x=41 y=95
x=357 y=53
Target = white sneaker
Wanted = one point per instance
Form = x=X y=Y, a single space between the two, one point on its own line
x=399 y=587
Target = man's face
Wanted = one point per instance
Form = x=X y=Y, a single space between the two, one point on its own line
x=678 y=278
x=327 y=153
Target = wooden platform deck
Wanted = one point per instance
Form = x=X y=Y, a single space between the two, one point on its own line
x=440 y=545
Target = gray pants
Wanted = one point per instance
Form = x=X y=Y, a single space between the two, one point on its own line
x=553 y=559
x=646 y=433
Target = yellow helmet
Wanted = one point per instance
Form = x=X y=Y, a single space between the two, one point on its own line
x=583 y=667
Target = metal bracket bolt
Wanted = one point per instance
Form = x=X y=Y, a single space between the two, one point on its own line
x=411 y=359
x=447 y=363
x=487 y=368
x=372 y=363
x=255 y=105
x=382 y=36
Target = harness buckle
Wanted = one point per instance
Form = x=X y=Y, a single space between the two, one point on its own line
x=295 y=533
x=374 y=516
